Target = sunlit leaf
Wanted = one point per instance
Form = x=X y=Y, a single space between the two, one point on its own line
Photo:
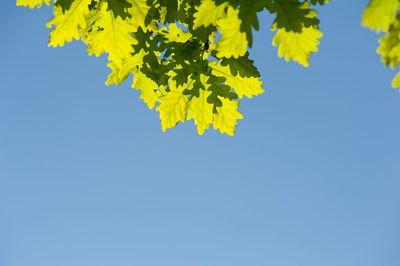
x=379 y=14
x=297 y=46
x=226 y=117
x=233 y=42
x=33 y=3
x=69 y=23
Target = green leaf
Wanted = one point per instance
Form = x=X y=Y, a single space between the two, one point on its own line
x=321 y=2
x=199 y=83
x=293 y=15
x=248 y=15
x=64 y=4
x=171 y=7
x=242 y=66
x=218 y=90
x=119 y=8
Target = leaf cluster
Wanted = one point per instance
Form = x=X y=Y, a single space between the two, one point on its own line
x=383 y=16
x=189 y=58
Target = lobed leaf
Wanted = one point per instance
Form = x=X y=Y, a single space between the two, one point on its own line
x=379 y=14
x=243 y=86
x=226 y=117
x=242 y=66
x=297 y=46
x=148 y=89
x=68 y=23
x=112 y=35
x=233 y=42
x=173 y=106
x=321 y=2
x=200 y=110
x=33 y=3
x=140 y=14
x=248 y=15
x=390 y=45
x=292 y=15
x=208 y=13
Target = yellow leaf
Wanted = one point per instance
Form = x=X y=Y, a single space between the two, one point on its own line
x=208 y=13
x=68 y=24
x=200 y=110
x=175 y=34
x=396 y=81
x=129 y=65
x=33 y=3
x=114 y=76
x=226 y=117
x=148 y=89
x=111 y=35
x=297 y=45
x=139 y=10
x=390 y=45
x=172 y=107
x=243 y=86
x=379 y=14
x=233 y=42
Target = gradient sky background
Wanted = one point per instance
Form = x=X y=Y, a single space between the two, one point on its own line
x=87 y=177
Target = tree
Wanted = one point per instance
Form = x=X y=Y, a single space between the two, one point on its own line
x=190 y=58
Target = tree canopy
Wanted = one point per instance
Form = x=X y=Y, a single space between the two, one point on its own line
x=190 y=58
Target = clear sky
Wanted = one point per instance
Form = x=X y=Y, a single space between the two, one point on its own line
x=87 y=177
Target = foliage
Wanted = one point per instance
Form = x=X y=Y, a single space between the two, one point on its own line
x=383 y=16
x=190 y=58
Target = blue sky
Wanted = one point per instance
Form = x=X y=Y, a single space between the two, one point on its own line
x=87 y=177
